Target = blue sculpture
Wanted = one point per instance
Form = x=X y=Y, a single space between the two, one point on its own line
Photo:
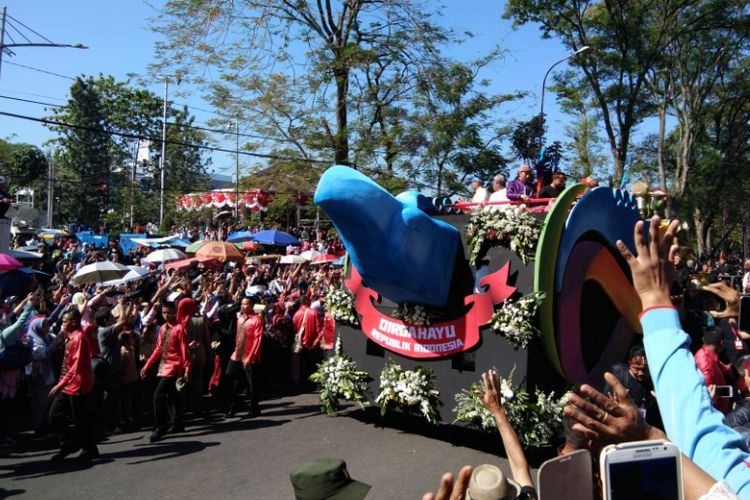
x=401 y=252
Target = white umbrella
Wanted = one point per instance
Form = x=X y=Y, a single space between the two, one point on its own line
x=310 y=254
x=100 y=271
x=292 y=259
x=135 y=273
x=165 y=255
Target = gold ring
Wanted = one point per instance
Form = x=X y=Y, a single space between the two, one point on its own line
x=604 y=418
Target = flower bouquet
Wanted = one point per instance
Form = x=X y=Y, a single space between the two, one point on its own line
x=514 y=320
x=536 y=419
x=340 y=303
x=338 y=378
x=514 y=229
x=409 y=389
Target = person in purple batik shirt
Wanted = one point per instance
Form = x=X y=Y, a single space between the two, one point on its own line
x=521 y=188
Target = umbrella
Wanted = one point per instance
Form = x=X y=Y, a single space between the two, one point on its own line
x=240 y=236
x=292 y=259
x=193 y=247
x=135 y=273
x=246 y=245
x=219 y=250
x=23 y=254
x=165 y=255
x=7 y=262
x=52 y=233
x=323 y=259
x=177 y=242
x=188 y=263
x=100 y=271
x=309 y=255
x=31 y=270
x=274 y=237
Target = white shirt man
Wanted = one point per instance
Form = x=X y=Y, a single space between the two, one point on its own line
x=498 y=189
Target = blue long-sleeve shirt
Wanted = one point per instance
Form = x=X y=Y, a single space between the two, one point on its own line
x=690 y=420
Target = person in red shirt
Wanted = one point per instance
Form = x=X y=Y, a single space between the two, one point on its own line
x=246 y=354
x=173 y=354
x=306 y=351
x=714 y=371
x=72 y=395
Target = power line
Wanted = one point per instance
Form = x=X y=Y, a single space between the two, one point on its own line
x=177 y=143
x=181 y=125
x=39 y=70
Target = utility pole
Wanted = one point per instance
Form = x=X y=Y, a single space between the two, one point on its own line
x=163 y=151
x=50 y=193
x=237 y=168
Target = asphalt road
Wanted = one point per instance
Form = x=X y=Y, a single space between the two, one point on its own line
x=251 y=458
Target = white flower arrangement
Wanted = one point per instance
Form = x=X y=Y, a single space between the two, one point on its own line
x=515 y=229
x=409 y=389
x=414 y=314
x=340 y=303
x=338 y=378
x=514 y=320
x=535 y=421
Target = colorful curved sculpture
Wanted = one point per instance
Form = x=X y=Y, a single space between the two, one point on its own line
x=578 y=247
x=401 y=252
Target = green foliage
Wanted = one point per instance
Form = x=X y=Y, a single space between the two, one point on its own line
x=94 y=157
x=452 y=116
x=525 y=141
x=22 y=164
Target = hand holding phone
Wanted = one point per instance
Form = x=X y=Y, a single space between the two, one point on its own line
x=641 y=469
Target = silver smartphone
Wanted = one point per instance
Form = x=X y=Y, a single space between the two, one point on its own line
x=646 y=470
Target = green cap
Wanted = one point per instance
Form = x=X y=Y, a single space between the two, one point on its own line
x=324 y=478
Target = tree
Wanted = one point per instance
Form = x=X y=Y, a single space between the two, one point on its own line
x=585 y=145
x=526 y=140
x=627 y=40
x=83 y=158
x=22 y=164
x=452 y=116
x=105 y=121
x=286 y=67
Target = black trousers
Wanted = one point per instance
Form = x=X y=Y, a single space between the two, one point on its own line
x=81 y=409
x=234 y=375
x=166 y=391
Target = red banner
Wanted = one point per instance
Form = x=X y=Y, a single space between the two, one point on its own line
x=437 y=340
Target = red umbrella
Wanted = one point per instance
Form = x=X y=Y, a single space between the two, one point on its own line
x=8 y=263
x=323 y=259
x=246 y=245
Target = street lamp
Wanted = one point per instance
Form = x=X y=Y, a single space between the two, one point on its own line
x=544 y=83
x=5 y=48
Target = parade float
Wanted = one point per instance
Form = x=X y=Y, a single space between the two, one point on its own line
x=433 y=300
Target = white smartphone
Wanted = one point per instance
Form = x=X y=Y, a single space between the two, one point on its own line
x=641 y=469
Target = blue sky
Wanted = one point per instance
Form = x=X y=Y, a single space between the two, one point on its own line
x=120 y=44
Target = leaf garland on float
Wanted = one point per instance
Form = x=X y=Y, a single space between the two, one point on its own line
x=515 y=229
x=411 y=390
x=338 y=378
x=536 y=418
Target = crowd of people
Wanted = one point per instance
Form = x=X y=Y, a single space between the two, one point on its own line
x=84 y=361
x=110 y=358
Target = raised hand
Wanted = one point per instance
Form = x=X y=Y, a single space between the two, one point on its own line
x=652 y=269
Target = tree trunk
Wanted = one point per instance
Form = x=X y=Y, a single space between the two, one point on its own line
x=699 y=232
x=342 y=138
